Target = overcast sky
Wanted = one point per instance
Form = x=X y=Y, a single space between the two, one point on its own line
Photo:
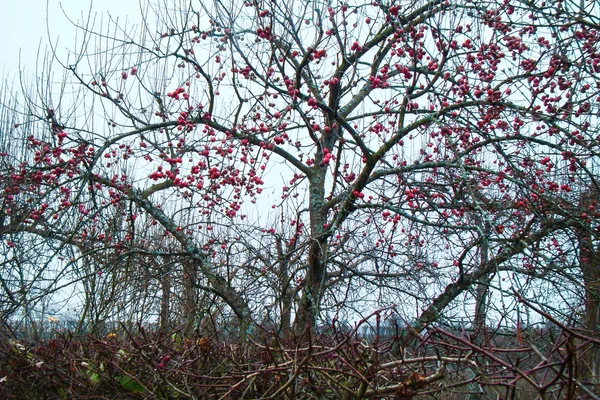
x=25 y=27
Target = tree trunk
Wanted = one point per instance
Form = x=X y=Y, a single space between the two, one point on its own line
x=591 y=281
x=165 y=303
x=285 y=289
x=481 y=298
x=189 y=301
x=482 y=288
x=312 y=288
x=589 y=262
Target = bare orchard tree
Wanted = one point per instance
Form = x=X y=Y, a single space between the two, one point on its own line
x=315 y=161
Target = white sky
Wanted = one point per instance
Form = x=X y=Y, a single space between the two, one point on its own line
x=24 y=27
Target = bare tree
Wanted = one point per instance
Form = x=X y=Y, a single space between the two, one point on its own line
x=298 y=163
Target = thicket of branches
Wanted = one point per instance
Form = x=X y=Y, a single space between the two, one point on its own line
x=242 y=170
